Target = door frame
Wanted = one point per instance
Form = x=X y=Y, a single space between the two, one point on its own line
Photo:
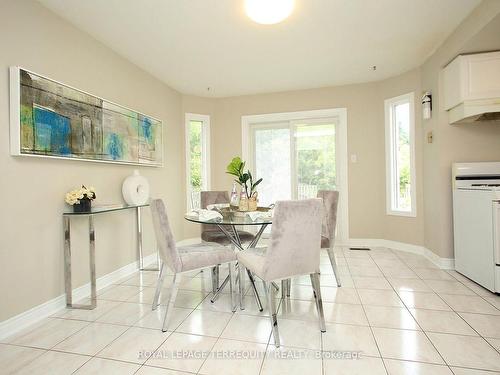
x=340 y=152
x=205 y=155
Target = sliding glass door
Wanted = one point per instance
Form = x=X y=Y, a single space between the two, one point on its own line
x=272 y=162
x=315 y=157
x=295 y=158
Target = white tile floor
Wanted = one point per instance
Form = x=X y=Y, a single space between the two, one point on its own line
x=403 y=314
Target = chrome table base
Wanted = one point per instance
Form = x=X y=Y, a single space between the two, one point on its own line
x=67 y=259
x=139 y=246
x=236 y=241
x=67 y=265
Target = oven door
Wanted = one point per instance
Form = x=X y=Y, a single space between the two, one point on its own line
x=474 y=237
x=496 y=231
x=496 y=243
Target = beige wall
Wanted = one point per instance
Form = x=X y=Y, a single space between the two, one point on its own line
x=365 y=137
x=364 y=102
x=31 y=249
x=32 y=189
x=396 y=228
x=455 y=143
x=204 y=106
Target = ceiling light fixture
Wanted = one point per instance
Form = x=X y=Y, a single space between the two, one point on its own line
x=268 y=12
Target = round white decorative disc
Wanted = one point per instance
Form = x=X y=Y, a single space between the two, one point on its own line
x=135 y=189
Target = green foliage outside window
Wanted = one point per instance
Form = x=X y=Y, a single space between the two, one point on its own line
x=195 y=152
x=315 y=146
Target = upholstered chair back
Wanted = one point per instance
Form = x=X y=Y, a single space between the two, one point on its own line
x=330 y=204
x=294 y=248
x=212 y=197
x=164 y=238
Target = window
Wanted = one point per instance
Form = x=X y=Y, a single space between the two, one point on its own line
x=400 y=155
x=197 y=157
x=297 y=154
x=295 y=158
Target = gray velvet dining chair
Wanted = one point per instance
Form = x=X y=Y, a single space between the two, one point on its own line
x=293 y=250
x=212 y=233
x=185 y=258
x=330 y=200
x=330 y=205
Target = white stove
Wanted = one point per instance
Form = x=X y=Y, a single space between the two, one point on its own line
x=476 y=222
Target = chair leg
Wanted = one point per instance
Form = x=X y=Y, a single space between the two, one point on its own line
x=284 y=284
x=159 y=284
x=172 y=294
x=215 y=279
x=288 y=287
x=241 y=285
x=232 y=285
x=319 y=302
x=331 y=255
x=271 y=304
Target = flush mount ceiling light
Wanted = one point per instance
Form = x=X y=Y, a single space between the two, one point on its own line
x=268 y=12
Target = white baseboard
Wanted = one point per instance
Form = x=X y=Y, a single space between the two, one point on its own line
x=443 y=263
x=16 y=323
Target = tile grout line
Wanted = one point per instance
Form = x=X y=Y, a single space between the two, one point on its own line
x=425 y=333
x=175 y=329
x=458 y=314
x=366 y=316
x=128 y=329
x=233 y=313
x=44 y=351
x=261 y=368
x=88 y=324
x=371 y=257
x=477 y=294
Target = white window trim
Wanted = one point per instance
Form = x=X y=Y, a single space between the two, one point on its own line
x=341 y=115
x=205 y=156
x=389 y=155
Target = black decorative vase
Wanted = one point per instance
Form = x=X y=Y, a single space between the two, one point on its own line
x=84 y=206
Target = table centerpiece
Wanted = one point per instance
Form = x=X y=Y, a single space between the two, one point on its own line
x=249 y=194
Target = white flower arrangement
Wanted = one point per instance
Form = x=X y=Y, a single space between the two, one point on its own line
x=75 y=196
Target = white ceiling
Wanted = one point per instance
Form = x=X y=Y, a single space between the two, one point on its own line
x=195 y=44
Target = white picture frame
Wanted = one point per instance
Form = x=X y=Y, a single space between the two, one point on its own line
x=16 y=148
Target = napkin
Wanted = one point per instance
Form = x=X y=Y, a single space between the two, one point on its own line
x=217 y=205
x=254 y=215
x=206 y=215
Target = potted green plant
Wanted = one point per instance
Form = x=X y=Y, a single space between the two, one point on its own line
x=245 y=179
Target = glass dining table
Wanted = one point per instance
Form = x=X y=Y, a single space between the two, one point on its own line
x=228 y=225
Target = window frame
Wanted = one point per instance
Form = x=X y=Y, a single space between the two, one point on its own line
x=390 y=155
x=205 y=154
x=340 y=114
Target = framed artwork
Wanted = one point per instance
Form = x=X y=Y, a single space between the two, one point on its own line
x=51 y=119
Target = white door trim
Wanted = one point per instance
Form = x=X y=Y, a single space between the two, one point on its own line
x=341 y=152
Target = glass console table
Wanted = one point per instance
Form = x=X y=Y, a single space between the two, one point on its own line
x=96 y=210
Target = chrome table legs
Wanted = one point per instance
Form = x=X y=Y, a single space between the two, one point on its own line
x=67 y=266
x=67 y=259
x=235 y=240
x=139 y=246
x=285 y=288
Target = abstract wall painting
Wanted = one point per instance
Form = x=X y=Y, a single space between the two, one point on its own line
x=51 y=119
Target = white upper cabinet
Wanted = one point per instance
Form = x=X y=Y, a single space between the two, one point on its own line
x=472 y=77
x=472 y=86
